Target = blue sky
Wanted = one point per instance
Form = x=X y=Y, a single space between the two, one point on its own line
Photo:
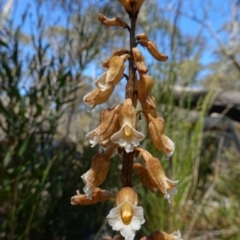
x=217 y=14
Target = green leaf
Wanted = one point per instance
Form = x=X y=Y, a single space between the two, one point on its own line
x=24 y=146
x=7 y=157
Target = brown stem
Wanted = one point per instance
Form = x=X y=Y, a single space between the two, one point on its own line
x=127 y=163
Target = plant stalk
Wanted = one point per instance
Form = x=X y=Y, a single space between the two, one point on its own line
x=127 y=163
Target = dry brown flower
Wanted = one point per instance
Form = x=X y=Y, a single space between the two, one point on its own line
x=98 y=195
x=139 y=61
x=116 y=21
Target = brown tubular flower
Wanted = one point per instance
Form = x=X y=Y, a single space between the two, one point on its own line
x=109 y=124
x=151 y=47
x=157 y=175
x=161 y=235
x=98 y=171
x=143 y=176
x=139 y=61
x=97 y=97
x=112 y=22
x=98 y=195
x=149 y=106
x=159 y=139
x=116 y=53
x=126 y=4
x=144 y=87
x=116 y=69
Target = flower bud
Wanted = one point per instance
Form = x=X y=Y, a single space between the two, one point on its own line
x=139 y=60
x=151 y=47
x=98 y=195
x=144 y=87
x=97 y=97
x=159 y=139
x=112 y=22
x=98 y=171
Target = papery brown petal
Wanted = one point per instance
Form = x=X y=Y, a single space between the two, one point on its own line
x=138 y=5
x=99 y=169
x=143 y=176
x=98 y=195
x=139 y=60
x=161 y=235
x=107 y=143
x=143 y=39
x=127 y=194
x=116 y=69
x=152 y=48
x=145 y=238
x=145 y=154
x=156 y=124
x=116 y=53
x=97 y=97
x=156 y=175
x=109 y=123
x=149 y=106
x=128 y=113
x=159 y=139
x=144 y=87
x=126 y=4
x=112 y=21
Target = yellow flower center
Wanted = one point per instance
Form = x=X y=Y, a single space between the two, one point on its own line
x=127 y=131
x=126 y=212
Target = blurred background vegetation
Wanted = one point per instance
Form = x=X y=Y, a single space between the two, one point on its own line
x=47 y=69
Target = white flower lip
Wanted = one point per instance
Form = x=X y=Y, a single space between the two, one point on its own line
x=128 y=144
x=101 y=82
x=87 y=189
x=93 y=138
x=171 y=143
x=177 y=235
x=172 y=191
x=127 y=231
